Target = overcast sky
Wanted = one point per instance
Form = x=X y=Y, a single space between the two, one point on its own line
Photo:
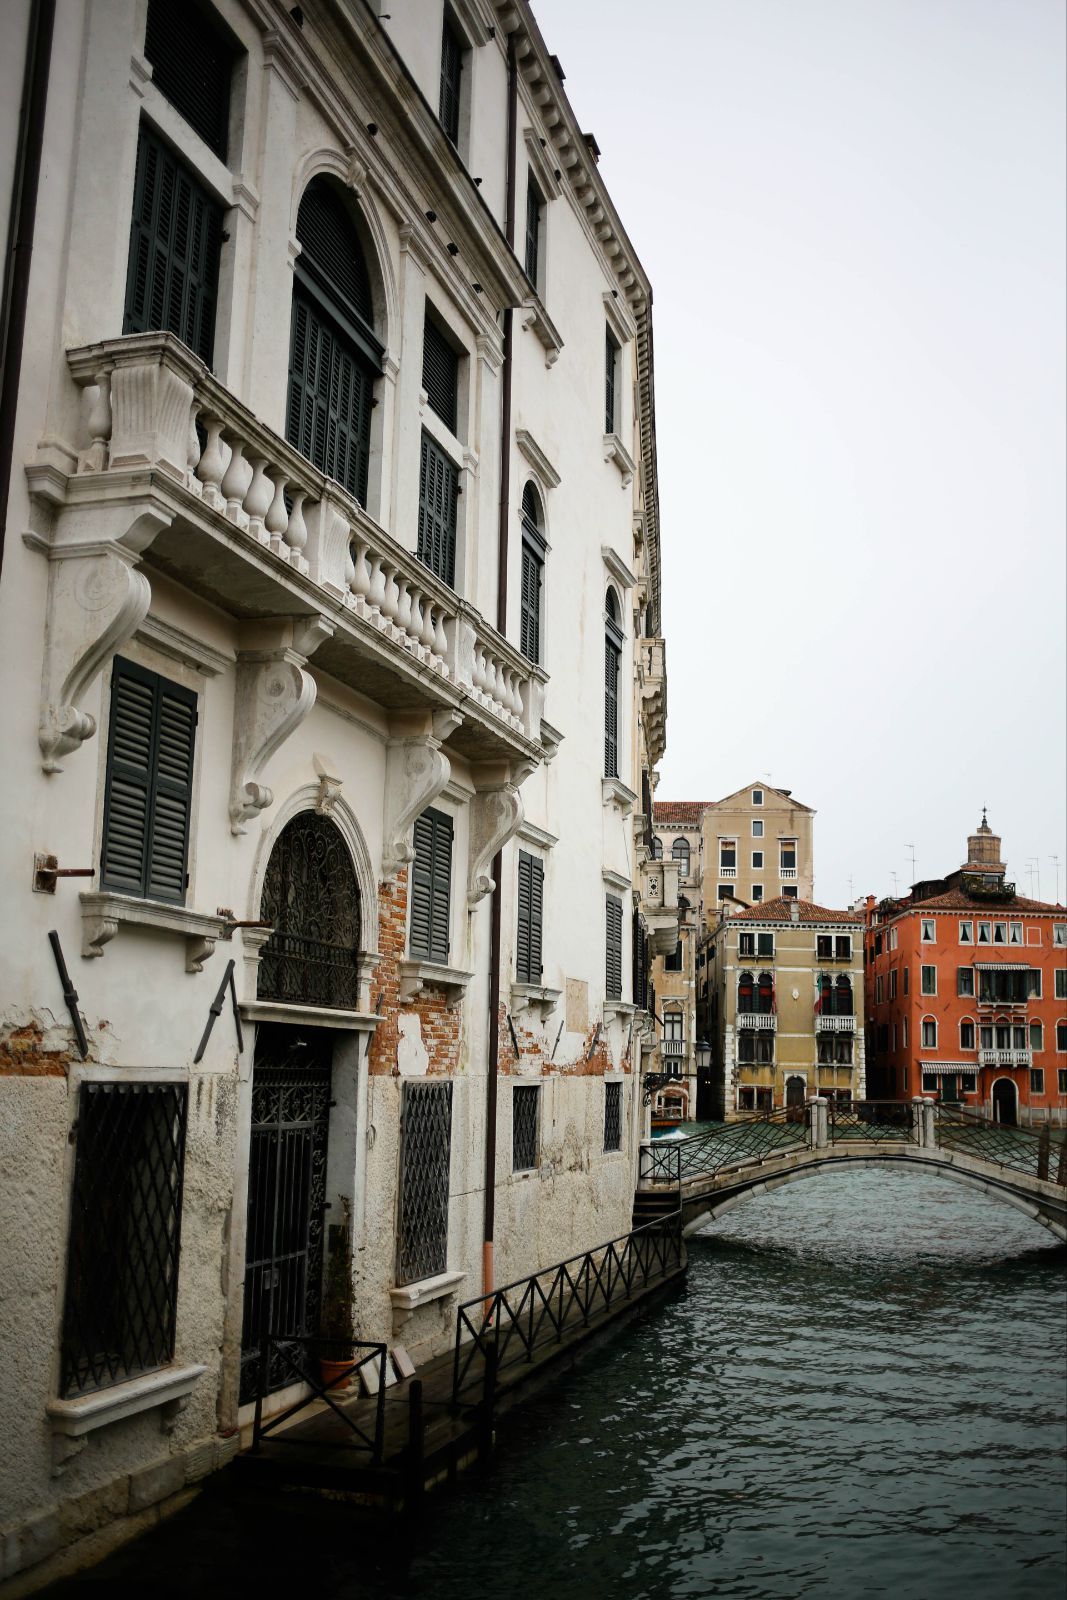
x=852 y=213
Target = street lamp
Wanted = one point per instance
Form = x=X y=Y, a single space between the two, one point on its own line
x=703 y=1055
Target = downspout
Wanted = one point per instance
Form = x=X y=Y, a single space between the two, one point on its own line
x=501 y=623
x=20 y=231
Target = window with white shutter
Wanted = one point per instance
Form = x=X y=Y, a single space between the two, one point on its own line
x=431 y=887
x=148 y=794
x=530 y=913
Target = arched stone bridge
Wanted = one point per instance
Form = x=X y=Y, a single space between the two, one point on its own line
x=708 y=1174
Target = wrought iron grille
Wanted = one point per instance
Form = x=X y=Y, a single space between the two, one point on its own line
x=1040 y=1152
x=613 y=1116
x=125 y=1233
x=286 y=1199
x=525 y=1105
x=311 y=899
x=731 y=1144
x=425 y=1153
x=873 y=1121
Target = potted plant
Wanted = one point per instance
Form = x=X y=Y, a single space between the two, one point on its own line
x=337 y=1333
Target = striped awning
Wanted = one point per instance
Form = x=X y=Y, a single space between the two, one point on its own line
x=1003 y=966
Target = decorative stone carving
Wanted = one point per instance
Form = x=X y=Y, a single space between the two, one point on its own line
x=103 y=913
x=417 y=770
x=150 y=408
x=329 y=787
x=496 y=815
x=274 y=695
x=96 y=602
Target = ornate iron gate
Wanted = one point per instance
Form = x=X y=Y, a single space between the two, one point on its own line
x=311 y=899
x=286 y=1194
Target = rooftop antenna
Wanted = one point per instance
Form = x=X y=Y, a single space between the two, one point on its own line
x=1056 y=863
x=894 y=877
x=914 y=875
x=1037 y=874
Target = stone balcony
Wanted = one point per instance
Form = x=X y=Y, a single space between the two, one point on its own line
x=659 y=905
x=758 y=1021
x=176 y=476
x=652 y=672
x=1005 y=1058
x=825 y=1023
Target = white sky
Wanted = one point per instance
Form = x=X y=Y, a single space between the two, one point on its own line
x=852 y=213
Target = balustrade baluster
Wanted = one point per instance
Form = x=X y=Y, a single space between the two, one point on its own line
x=376 y=595
x=258 y=499
x=277 y=519
x=99 y=423
x=440 y=637
x=426 y=636
x=193 y=455
x=235 y=481
x=296 y=534
x=403 y=606
x=212 y=465
x=391 y=600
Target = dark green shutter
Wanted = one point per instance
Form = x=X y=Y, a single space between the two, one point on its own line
x=329 y=399
x=192 y=65
x=431 y=887
x=533 y=229
x=530 y=605
x=612 y=656
x=530 y=915
x=438 y=490
x=440 y=374
x=611 y=351
x=151 y=743
x=451 y=73
x=613 y=942
x=173 y=276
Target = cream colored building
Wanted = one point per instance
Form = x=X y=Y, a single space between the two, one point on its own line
x=329 y=635
x=757 y=845
x=677 y=838
x=785 y=1006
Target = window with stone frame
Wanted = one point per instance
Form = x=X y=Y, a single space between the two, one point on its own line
x=525 y=1126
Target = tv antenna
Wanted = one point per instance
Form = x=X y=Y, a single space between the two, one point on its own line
x=1056 y=863
x=914 y=875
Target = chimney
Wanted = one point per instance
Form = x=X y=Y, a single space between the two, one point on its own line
x=794 y=910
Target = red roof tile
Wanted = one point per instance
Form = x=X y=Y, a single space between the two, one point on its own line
x=680 y=813
x=781 y=910
x=959 y=900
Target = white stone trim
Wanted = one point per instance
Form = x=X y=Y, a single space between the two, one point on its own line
x=103 y=912
x=615 y=450
x=310 y=1016
x=544 y=169
x=622 y=324
x=536 y=318
x=542 y=466
x=181 y=646
x=616 y=880
x=420 y=1294
x=617 y=794
x=534 y=997
x=617 y=568
x=416 y=975
x=167 y=1387
x=530 y=833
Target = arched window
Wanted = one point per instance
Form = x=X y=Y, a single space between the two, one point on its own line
x=825 y=1002
x=746 y=995
x=533 y=573
x=929 y=1033
x=765 y=999
x=843 y=997
x=680 y=852
x=612 y=660
x=335 y=354
x=657 y=847
x=311 y=900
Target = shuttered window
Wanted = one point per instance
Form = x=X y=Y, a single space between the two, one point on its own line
x=172 y=279
x=611 y=365
x=613 y=943
x=192 y=65
x=612 y=657
x=438 y=493
x=151 y=739
x=534 y=205
x=451 y=76
x=533 y=572
x=530 y=919
x=639 y=953
x=431 y=887
x=330 y=395
x=440 y=374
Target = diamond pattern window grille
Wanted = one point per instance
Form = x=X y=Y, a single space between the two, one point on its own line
x=125 y=1234
x=311 y=899
x=425 y=1154
x=613 y=1116
x=525 y=1109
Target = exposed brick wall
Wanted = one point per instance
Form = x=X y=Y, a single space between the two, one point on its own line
x=535 y=1045
x=440 y=1025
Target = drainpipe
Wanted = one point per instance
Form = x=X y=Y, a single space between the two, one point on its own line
x=501 y=623
x=20 y=233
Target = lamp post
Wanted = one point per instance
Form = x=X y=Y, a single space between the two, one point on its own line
x=703 y=1060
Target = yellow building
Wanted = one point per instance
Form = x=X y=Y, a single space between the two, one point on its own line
x=785 y=1006
x=756 y=845
x=677 y=837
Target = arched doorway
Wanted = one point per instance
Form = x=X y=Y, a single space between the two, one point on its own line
x=795 y=1092
x=311 y=899
x=1005 y=1102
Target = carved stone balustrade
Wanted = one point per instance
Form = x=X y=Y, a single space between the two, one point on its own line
x=659 y=905
x=241 y=518
x=652 y=672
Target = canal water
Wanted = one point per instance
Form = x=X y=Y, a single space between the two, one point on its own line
x=860 y=1392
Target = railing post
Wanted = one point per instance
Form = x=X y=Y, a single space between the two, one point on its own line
x=644 y=1160
x=929 y=1123
x=1044 y=1147
x=416 y=1451
x=918 y=1129
x=818 y=1125
x=485 y=1421
x=812 y=1116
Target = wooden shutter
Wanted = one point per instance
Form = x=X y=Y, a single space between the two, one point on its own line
x=611 y=351
x=613 y=941
x=533 y=229
x=530 y=918
x=329 y=398
x=451 y=73
x=612 y=655
x=173 y=275
x=151 y=744
x=438 y=491
x=192 y=65
x=530 y=603
x=431 y=887
x=440 y=374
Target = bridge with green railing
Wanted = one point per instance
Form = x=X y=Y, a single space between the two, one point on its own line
x=709 y=1173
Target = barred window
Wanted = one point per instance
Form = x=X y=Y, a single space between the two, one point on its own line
x=525 y=1130
x=125 y=1234
x=613 y=1116
x=425 y=1156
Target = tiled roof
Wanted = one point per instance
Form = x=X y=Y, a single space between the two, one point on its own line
x=769 y=788
x=959 y=900
x=680 y=813
x=781 y=910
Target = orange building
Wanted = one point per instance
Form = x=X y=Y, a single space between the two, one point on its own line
x=966 y=993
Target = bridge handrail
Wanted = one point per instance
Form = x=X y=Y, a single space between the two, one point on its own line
x=672 y=1159
x=1034 y=1152
x=516 y=1319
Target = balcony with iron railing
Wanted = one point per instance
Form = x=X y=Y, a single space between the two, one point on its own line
x=232 y=511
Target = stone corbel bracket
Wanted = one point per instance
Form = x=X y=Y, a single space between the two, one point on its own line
x=416 y=772
x=97 y=599
x=274 y=695
x=496 y=815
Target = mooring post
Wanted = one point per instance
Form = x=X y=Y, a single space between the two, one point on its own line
x=416 y=1451
x=929 y=1123
x=918 y=1131
x=485 y=1421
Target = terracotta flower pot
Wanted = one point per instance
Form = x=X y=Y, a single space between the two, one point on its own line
x=330 y=1372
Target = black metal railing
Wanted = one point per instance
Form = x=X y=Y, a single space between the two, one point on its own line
x=299 y=1356
x=670 y=1160
x=1039 y=1152
x=513 y=1323
x=873 y=1121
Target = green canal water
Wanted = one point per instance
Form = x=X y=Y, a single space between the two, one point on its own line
x=860 y=1392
